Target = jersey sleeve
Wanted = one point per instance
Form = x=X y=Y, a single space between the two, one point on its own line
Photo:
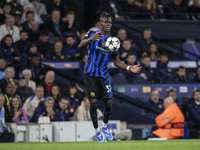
x=115 y=53
x=88 y=34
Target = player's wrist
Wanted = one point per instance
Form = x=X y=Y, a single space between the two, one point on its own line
x=128 y=67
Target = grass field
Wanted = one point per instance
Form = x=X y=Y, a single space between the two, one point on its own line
x=114 y=145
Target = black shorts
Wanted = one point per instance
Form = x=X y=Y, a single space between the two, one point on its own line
x=98 y=88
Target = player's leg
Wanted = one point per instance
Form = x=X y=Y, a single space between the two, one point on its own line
x=93 y=95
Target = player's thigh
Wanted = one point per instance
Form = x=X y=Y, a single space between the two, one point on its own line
x=106 y=89
x=92 y=86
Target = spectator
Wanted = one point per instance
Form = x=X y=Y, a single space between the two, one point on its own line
x=46 y=109
x=172 y=93
x=2 y=68
x=21 y=2
x=127 y=48
x=57 y=53
x=23 y=44
x=9 y=93
x=36 y=68
x=163 y=72
x=39 y=7
x=134 y=6
x=149 y=6
x=27 y=75
x=16 y=8
x=71 y=48
x=43 y=44
x=34 y=31
x=29 y=19
x=122 y=35
x=197 y=77
x=146 y=39
x=180 y=76
x=155 y=101
x=54 y=24
x=36 y=16
x=152 y=52
x=194 y=115
x=70 y=22
x=63 y=109
x=177 y=6
x=17 y=112
x=84 y=50
x=83 y=112
x=74 y=96
x=81 y=68
x=9 y=28
x=57 y=5
x=48 y=82
x=24 y=91
x=6 y=13
x=32 y=102
x=56 y=93
x=10 y=74
x=9 y=51
x=147 y=73
x=195 y=8
x=5 y=133
x=171 y=122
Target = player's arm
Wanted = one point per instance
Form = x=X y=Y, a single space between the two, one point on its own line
x=85 y=42
x=118 y=63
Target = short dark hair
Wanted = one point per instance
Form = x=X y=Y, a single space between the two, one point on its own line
x=64 y=98
x=181 y=67
x=164 y=54
x=23 y=31
x=171 y=90
x=197 y=90
x=146 y=56
x=69 y=35
x=44 y=33
x=105 y=14
x=29 y=12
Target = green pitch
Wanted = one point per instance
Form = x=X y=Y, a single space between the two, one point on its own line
x=119 y=145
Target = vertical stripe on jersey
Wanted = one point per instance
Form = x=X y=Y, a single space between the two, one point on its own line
x=97 y=57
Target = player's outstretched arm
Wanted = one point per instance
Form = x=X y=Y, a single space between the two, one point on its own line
x=85 y=42
x=120 y=64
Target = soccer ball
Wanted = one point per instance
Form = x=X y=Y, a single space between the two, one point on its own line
x=112 y=44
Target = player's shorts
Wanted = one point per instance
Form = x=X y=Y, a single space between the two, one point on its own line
x=98 y=88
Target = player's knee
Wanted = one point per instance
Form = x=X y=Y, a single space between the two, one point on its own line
x=93 y=101
x=108 y=101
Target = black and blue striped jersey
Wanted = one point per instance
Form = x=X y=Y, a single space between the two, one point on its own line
x=98 y=57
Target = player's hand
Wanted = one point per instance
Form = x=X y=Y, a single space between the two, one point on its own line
x=97 y=36
x=135 y=68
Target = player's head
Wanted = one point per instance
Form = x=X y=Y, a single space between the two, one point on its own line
x=106 y=22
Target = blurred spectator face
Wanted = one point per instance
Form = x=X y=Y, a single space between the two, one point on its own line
x=146 y=61
x=28 y=8
x=63 y=104
x=6 y=9
x=10 y=73
x=24 y=36
x=2 y=100
x=22 y=82
x=10 y=22
x=70 y=41
x=49 y=104
x=2 y=63
x=121 y=34
x=196 y=96
x=33 y=49
x=58 y=47
x=131 y=59
x=163 y=59
x=55 y=90
x=35 y=61
x=195 y=1
x=130 y=2
x=15 y=102
x=181 y=72
x=39 y=92
x=149 y=2
x=87 y=103
x=44 y=38
x=177 y=2
x=57 y=1
x=50 y=77
x=126 y=45
x=147 y=34
x=72 y=91
x=155 y=96
x=10 y=89
x=14 y=1
x=34 y=26
x=27 y=76
x=70 y=18
x=168 y=101
x=153 y=48
x=55 y=15
x=172 y=94
x=8 y=41
x=85 y=58
x=30 y=18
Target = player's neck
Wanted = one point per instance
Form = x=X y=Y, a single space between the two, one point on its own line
x=106 y=34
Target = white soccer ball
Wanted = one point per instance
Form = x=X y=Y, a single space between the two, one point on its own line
x=112 y=44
